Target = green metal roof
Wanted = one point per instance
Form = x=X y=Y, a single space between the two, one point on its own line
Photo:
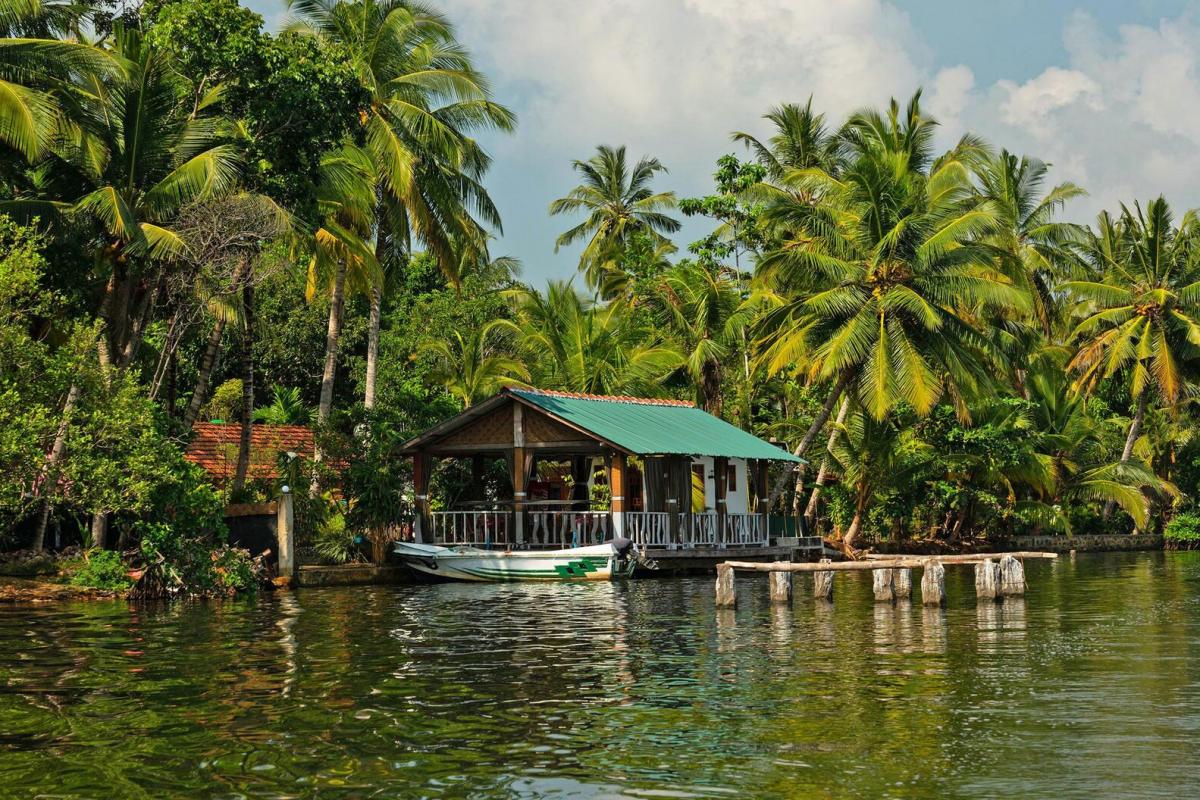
x=654 y=427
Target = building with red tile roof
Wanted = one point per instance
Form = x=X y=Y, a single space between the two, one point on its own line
x=214 y=447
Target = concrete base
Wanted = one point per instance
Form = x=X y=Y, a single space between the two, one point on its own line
x=1090 y=544
x=351 y=575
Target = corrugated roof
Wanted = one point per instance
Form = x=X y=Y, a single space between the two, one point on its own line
x=653 y=427
x=214 y=446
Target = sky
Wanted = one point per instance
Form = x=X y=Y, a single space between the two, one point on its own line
x=1106 y=91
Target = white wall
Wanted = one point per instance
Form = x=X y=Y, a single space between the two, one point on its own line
x=737 y=501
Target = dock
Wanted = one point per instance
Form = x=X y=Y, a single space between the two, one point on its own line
x=997 y=576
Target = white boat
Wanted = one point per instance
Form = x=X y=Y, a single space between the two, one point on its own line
x=603 y=562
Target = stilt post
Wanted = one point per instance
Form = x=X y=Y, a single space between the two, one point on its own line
x=823 y=583
x=933 y=584
x=781 y=587
x=987 y=581
x=285 y=533
x=883 y=585
x=1012 y=577
x=726 y=592
x=902 y=584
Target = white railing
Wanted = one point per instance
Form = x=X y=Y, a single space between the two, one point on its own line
x=479 y=528
x=649 y=528
x=653 y=529
x=568 y=528
x=744 y=530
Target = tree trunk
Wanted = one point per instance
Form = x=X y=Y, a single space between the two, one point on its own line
x=207 y=364
x=1135 y=428
x=334 y=331
x=710 y=387
x=56 y=452
x=99 y=529
x=810 y=513
x=373 y=347
x=817 y=423
x=167 y=355
x=141 y=319
x=103 y=352
x=243 y=462
x=860 y=512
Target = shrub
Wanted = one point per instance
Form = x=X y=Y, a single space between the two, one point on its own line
x=102 y=569
x=1183 y=532
x=336 y=542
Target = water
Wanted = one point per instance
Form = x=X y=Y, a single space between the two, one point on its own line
x=1089 y=688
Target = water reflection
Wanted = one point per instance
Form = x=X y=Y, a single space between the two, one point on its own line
x=637 y=689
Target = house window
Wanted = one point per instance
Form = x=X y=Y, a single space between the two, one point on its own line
x=731 y=480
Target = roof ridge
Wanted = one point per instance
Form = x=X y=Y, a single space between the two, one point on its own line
x=608 y=398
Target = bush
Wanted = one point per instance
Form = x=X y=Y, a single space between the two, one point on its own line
x=336 y=542
x=102 y=569
x=1183 y=532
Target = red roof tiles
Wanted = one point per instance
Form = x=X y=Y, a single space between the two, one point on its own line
x=214 y=447
x=611 y=398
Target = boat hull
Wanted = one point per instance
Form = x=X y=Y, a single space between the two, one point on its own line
x=599 y=563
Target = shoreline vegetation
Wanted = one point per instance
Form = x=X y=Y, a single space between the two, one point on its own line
x=200 y=220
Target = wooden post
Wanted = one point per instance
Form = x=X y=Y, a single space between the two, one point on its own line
x=1012 y=577
x=764 y=491
x=285 y=534
x=902 y=584
x=987 y=580
x=720 y=492
x=726 y=592
x=424 y=523
x=616 y=485
x=883 y=586
x=823 y=583
x=933 y=584
x=518 y=473
x=781 y=587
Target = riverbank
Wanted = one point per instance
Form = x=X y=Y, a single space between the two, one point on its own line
x=37 y=590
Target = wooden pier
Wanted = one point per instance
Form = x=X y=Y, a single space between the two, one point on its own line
x=997 y=575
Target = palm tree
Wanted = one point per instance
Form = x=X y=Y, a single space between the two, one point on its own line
x=425 y=99
x=1038 y=247
x=575 y=345
x=476 y=366
x=1143 y=321
x=801 y=140
x=618 y=202
x=705 y=316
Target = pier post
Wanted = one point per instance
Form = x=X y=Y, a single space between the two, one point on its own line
x=902 y=584
x=933 y=584
x=285 y=533
x=882 y=583
x=987 y=580
x=823 y=583
x=1012 y=577
x=781 y=587
x=726 y=592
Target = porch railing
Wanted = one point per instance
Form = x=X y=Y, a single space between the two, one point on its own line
x=653 y=529
x=568 y=528
x=478 y=528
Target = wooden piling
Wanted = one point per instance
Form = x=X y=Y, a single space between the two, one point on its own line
x=823 y=583
x=883 y=586
x=902 y=583
x=726 y=592
x=987 y=581
x=933 y=584
x=781 y=587
x=1012 y=577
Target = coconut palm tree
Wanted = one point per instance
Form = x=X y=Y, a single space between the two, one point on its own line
x=573 y=344
x=425 y=100
x=1143 y=318
x=704 y=316
x=1037 y=247
x=476 y=366
x=800 y=140
x=619 y=202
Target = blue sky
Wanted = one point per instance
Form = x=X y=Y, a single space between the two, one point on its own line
x=1107 y=91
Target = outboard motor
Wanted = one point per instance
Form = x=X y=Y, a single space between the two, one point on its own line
x=623 y=546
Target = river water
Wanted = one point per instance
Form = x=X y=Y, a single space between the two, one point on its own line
x=1088 y=688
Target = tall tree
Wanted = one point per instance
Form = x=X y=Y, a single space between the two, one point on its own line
x=619 y=202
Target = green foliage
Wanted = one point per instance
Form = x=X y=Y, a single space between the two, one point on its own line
x=1183 y=531
x=336 y=542
x=102 y=569
x=286 y=408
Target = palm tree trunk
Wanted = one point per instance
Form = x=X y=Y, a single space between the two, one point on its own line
x=860 y=512
x=56 y=452
x=332 y=334
x=243 y=462
x=207 y=364
x=817 y=423
x=373 y=347
x=1135 y=428
x=810 y=513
